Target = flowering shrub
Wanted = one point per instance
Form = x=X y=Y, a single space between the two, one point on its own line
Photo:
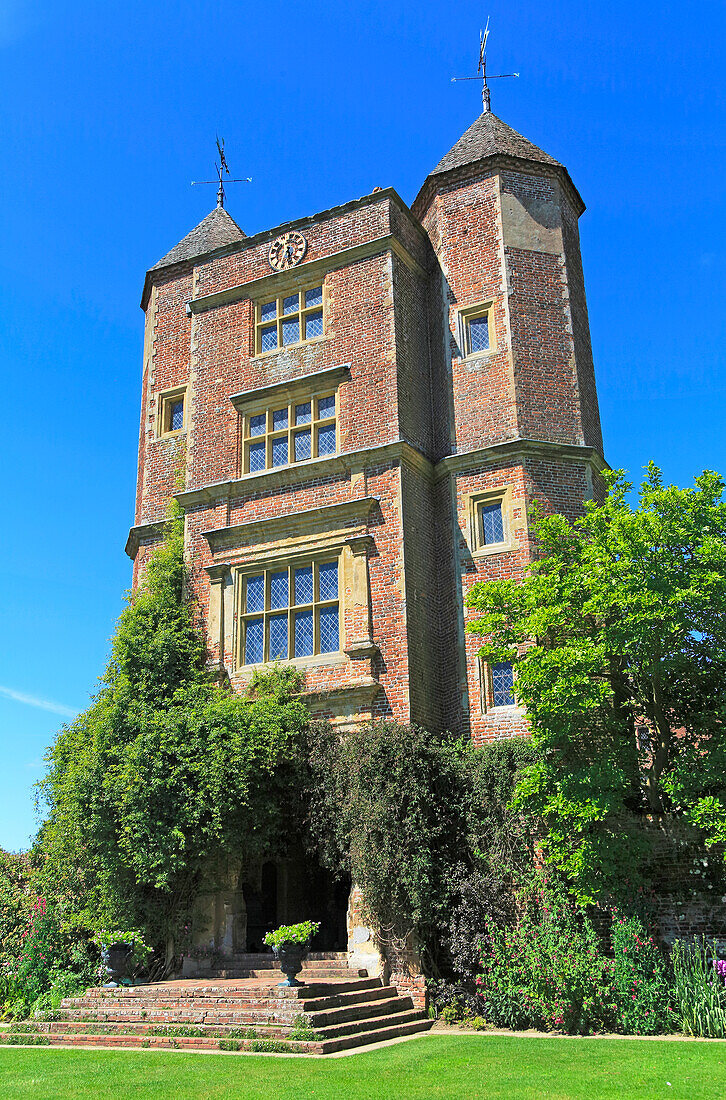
x=546 y=971
x=698 y=989
x=640 y=983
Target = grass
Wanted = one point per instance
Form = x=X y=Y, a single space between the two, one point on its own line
x=429 y=1068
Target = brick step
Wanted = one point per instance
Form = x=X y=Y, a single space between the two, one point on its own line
x=220 y=1031
x=317 y=997
x=366 y=1010
x=239 y=1012
x=364 y=1021
x=317 y=974
x=370 y=1023
x=379 y=1035
x=158 y=1042
x=393 y=1027
x=264 y=958
x=229 y=991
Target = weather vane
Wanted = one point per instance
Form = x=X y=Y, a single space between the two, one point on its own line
x=482 y=71
x=222 y=167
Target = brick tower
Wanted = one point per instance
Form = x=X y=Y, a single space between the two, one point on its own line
x=360 y=406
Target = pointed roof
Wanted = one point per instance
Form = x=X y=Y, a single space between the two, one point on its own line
x=490 y=139
x=488 y=136
x=215 y=231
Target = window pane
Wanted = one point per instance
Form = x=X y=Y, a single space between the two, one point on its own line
x=326 y=407
x=176 y=415
x=326 y=440
x=279 y=451
x=502 y=681
x=302 y=413
x=257 y=424
x=304 y=584
x=279 y=419
x=268 y=311
x=278 y=637
x=329 y=629
x=258 y=460
x=255 y=594
x=278 y=589
x=479 y=334
x=291 y=331
x=492 y=524
x=303 y=633
x=253 y=641
x=313 y=325
x=328 y=580
x=302 y=446
x=268 y=338
x=291 y=303
x=314 y=297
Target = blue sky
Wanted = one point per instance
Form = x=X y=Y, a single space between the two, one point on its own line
x=108 y=111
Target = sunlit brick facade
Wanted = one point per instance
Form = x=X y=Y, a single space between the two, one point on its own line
x=439 y=380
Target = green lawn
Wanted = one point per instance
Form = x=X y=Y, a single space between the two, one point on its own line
x=426 y=1068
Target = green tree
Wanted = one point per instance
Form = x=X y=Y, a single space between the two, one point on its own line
x=618 y=635
x=167 y=773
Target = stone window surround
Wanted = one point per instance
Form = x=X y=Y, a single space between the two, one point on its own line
x=289 y=283
x=291 y=390
x=470 y=313
x=474 y=502
x=486 y=691
x=164 y=401
x=287 y=540
x=266 y=566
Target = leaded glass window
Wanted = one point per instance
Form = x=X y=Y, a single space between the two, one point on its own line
x=289 y=612
x=171 y=412
x=477 y=333
x=491 y=524
x=288 y=433
x=289 y=319
x=502 y=684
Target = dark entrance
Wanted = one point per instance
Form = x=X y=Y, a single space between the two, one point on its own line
x=261 y=907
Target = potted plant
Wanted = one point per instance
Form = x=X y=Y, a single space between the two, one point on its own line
x=291 y=943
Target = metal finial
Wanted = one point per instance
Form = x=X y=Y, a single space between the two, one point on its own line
x=222 y=167
x=486 y=100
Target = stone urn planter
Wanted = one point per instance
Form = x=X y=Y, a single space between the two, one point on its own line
x=290 y=944
x=115 y=959
x=291 y=957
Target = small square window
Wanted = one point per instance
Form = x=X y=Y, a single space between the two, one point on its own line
x=171 y=412
x=477 y=336
x=490 y=521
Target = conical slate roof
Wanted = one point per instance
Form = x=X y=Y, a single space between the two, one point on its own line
x=488 y=136
x=215 y=231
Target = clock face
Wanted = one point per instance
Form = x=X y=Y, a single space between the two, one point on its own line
x=287 y=250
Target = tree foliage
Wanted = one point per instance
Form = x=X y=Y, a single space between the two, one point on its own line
x=167 y=773
x=618 y=635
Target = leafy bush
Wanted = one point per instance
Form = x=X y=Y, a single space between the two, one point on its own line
x=292 y=933
x=168 y=773
x=698 y=989
x=640 y=983
x=387 y=807
x=547 y=970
